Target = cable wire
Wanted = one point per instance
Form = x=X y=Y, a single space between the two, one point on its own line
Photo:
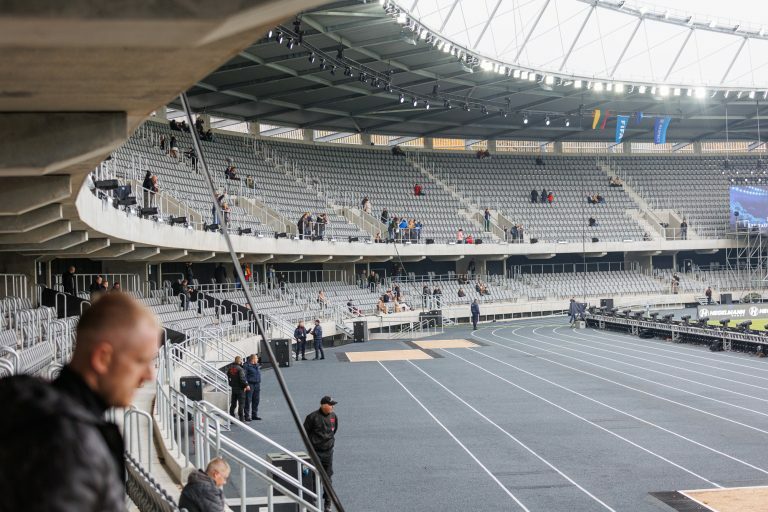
x=327 y=485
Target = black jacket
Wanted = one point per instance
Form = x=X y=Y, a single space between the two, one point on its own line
x=321 y=429
x=475 y=309
x=220 y=274
x=201 y=494
x=300 y=333
x=60 y=455
x=235 y=376
x=68 y=280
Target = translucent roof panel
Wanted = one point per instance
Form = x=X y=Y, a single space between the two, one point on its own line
x=685 y=42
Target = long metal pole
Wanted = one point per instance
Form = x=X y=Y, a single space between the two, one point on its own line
x=327 y=485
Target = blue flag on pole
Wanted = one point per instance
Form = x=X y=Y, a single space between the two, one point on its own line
x=621 y=126
x=660 y=126
x=638 y=117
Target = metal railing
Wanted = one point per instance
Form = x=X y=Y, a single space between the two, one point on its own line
x=188 y=361
x=427 y=327
x=128 y=282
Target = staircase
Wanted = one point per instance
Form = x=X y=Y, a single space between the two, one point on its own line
x=469 y=211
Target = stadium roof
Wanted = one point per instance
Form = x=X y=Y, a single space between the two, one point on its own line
x=388 y=57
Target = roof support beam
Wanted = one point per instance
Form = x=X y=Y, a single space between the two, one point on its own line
x=733 y=61
x=448 y=17
x=626 y=47
x=576 y=39
x=531 y=30
x=487 y=24
x=679 y=52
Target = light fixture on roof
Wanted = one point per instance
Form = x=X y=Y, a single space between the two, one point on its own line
x=415 y=101
x=447 y=104
x=751 y=95
x=546 y=121
x=577 y=84
x=567 y=122
x=609 y=87
x=426 y=105
x=525 y=118
x=269 y=35
x=484 y=110
x=279 y=38
x=504 y=113
x=663 y=90
x=598 y=87
x=676 y=91
x=333 y=69
x=402 y=18
x=700 y=93
x=532 y=77
x=290 y=43
x=311 y=58
x=402 y=98
x=423 y=34
x=466 y=107
x=549 y=79
x=738 y=95
x=516 y=73
x=618 y=88
x=689 y=92
x=727 y=93
x=447 y=48
x=524 y=75
x=348 y=71
x=322 y=64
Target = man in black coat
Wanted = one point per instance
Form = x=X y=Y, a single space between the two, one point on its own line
x=220 y=275
x=203 y=491
x=321 y=427
x=475 y=308
x=253 y=395
x=68 y=281
x=60 y=453
x=238 y=383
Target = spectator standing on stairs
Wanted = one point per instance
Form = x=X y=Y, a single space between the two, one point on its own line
x=146 y=186
x=174 y=147
x=384 y=216
x=189 y=275
x=708 y=294
x=487 y=218
x=367 y=206
x=68 y=281
x=684 y=230
x=317 y=334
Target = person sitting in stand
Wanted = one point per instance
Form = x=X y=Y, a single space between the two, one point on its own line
x=384 y=217
x=174 y=147
x=534 y=196
x=398 y=151
x=381 y=307
x=403 y=226
x=592 y=222
x=231 y=173
x=599 y=198
x=615 y=181
x=543 y=196
x=377 y=239
x=461 y=293
x=353 y=310
x=469 y=239
x=550 y=198
x=417 y=190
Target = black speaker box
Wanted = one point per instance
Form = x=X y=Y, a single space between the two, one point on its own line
x=191 y=387
x=478 y=241
x=430 y=241
x=726 y=298
x=534 y=240
x=606 y=303
x=595 y=239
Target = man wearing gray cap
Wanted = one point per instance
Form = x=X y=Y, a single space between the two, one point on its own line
x=321 y=427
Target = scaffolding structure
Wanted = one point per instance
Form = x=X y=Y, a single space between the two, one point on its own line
x=747 y=259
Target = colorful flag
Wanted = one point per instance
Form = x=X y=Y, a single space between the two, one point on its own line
x=660 y=126
x=596 y=118
x=605 y=120
x=621 y=126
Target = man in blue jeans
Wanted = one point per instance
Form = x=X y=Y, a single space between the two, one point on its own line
x=317 y=332
x=252 y=395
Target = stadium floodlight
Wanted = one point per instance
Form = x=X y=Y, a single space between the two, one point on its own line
x=531 y=77
x=447 y=48
x=516 y=73
x=504 y=113
x=402 y=18
x=700 y=93
x=738 y=95
x=426 y=105
x=676 y=91
x=502 y=70
x=642 y=89
x=312 y=58
x=402 y=98
x=546 y=121
x=567 y=122
x=609 y=87
x=577 y=84
x=524 y=75
x=727 y=93
x=751 y=95
x=269 y=35
x=279 y=37
x=663 y=91
x=290 y=43
x=415 y=101
x=486 y=65
x=689 y=92
x=525 y=118
x=598 y=87
x=423 y=34
x=466 y=107
x=618 y=88
x=333 y=70
x=447 y=104
x=484 y=110
x=549 y=79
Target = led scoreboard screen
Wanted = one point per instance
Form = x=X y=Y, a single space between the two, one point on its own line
x=749 y=206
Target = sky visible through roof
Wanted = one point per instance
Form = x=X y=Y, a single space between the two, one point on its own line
x=604 y=43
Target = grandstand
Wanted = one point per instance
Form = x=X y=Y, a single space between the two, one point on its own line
x=586 y=384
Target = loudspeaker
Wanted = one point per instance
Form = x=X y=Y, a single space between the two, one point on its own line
x=595 y=239
x=534 y=240
x=435 y=317
x=430 y=241
x=354 y=239
x=281 y=235
x=478 y=241
x=726 y=298
x=146 y=212
x=359 y=331
x=191 y=387
x=282 y=350
x=290 y=465
x=606 y=303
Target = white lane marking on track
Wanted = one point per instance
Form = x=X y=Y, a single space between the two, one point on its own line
x=507 y=491
x=603 y=340
x=582 y=418
x=620 y=411
x=566 y=337
x=606 y=379
x=592 y=354
x=515 y=439
x=632 y=374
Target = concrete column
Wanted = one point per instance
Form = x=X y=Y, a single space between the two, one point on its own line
x=627 y=148
x=429 y=143
x=492 y=145
x=308 y=135
x=558 y=146
x=697 y=148
x=348 y=268
x=254 y=128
